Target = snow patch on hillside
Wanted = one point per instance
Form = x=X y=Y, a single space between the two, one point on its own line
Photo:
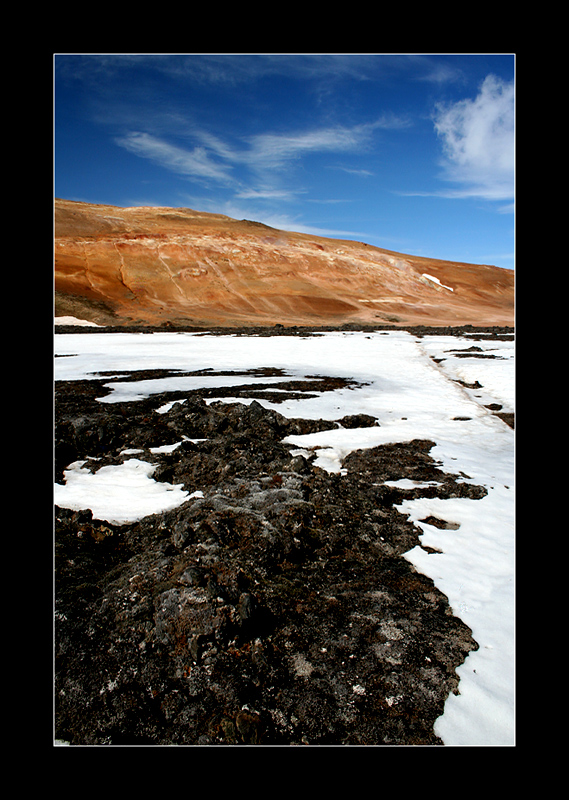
x=437 y=281
x=74 y=321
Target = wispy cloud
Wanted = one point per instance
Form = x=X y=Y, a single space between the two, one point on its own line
x=271 y=151
x=366 y=173
x=255 y=167
x=435 y=71
x=238 y=69
x=478 y=142
x=275 y=219
x=268 y=194
x=196 y=163
x=275 y=151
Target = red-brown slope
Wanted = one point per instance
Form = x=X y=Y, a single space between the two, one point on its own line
x=122 y=266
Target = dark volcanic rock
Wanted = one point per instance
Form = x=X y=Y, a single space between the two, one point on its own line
x=277 y=609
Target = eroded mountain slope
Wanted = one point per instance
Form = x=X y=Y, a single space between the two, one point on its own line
x=152 y=266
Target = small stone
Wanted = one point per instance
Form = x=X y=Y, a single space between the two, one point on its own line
x=246 y=606
x=299 y=464
x=196 y=646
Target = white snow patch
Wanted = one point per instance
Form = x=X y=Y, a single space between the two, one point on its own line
x=165 y=448
x=437 y=281
x=406 y=483
x=495 y=375
x=117 y=493
x=74 y=321
x=476 y=572
x=123 y=392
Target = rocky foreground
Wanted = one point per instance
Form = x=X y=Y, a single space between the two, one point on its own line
x=276 y=609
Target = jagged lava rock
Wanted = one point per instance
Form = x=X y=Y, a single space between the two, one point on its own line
x=276 y=609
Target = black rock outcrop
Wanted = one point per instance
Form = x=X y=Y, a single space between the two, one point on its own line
x=276 y=609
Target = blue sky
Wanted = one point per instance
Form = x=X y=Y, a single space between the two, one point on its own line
x=409 y=152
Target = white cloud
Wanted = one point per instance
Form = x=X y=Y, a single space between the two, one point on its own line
x=265 y=156
x=478 y=142
x=366 y=173
x=196 y=163
x=274 y=219
x=267 y=194
x=273 y=151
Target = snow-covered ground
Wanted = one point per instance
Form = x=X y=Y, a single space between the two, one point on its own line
x=75 y=321
x=413 y=397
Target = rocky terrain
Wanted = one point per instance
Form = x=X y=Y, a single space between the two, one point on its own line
x=273 y=608
x=156 y=266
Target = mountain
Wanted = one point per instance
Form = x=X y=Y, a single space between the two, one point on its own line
x=156 y=266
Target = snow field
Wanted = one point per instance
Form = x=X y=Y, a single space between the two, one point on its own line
x=413 y=397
